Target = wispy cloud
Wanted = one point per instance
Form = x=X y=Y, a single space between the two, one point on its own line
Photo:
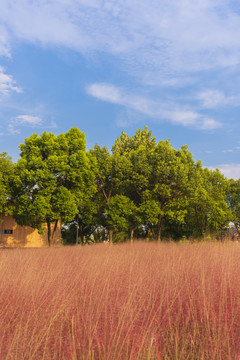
x=15 y=124
x=4 y=42
x=214 y=98
x=28 y=120
x=12 y=129
x=228 y=151
x=7 y=83
x=161 y=36
x=211 y=98
x=231 y=171
x=106 y=92
x=164 y=44
x=156 y=109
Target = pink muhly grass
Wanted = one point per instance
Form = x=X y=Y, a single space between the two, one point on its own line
x=140 y=301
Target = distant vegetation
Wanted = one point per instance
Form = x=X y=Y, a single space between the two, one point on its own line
x=140 y=301
x=140 y=189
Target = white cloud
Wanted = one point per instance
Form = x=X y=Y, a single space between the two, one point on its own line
x=228 y=151
x=231 y=171
x=12 y=129
x=15 y=125
x=164 y=43
x=7 y=83
x=209 y=124
x=113 y=94
x=162 y=36
x=28 y=120
x=4 y=42
x=212 y=98
x=156 y=109
x=215 y=98
x=184 y=117
x=106 y=92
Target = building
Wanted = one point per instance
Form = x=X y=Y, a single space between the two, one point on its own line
x=14 y=235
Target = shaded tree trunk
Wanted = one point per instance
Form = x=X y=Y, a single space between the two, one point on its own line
x=159 y=228
x=78 y=227
x=110 y=236
x=200 y=224
x=81 y=233
x=147 y=234
x=237 y=228
x=49 y=233
x=77 y=234
x=152 y=231
x=82 y=238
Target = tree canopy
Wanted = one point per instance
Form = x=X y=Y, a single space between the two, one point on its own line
x=52 y=177
x=140 y=189
x=6 y=171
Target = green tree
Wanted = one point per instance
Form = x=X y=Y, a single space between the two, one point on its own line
x=88 y=218
x=208 y=211
x=125 y=144
x=52 y=177
x=112 y=172
x=169 y=182
x=158 y=181
x=233 y=201
x=120 y=214
x=83 y=227
x=149 y=212
x=136 y=151
x=6 y=170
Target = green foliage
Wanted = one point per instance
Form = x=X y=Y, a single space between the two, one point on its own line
x=142 y=188
x=124 y=144
x=52 y=177
x=68 y=234
x=233 y=202
x=208 y=209
x=6 y=171
x=120 y=212
x=169 y=182
x=157 y=180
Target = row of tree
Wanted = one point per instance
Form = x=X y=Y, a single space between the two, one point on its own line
x=141 y=189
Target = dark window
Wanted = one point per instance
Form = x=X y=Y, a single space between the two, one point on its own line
x=8 y=231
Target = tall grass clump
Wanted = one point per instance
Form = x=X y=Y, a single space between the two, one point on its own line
x=140 y=301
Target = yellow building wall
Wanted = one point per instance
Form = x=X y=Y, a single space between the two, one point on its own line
x=24 y=236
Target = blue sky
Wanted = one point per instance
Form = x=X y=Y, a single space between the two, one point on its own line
x=113 y=66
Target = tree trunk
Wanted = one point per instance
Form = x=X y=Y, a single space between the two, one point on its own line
x=77 y=234
x=147 y=234
x=237 y=228
x=82 y=238
x=81 y=233
x=54 y=232
x=51 y=233
x=159 y=228
x=152 y=231
x=110 y=236
x=200 y=224
x=131 y=237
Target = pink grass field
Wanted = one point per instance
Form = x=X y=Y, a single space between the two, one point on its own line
x=140 y=301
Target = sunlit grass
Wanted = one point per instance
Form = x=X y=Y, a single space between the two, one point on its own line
x=140 y=301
